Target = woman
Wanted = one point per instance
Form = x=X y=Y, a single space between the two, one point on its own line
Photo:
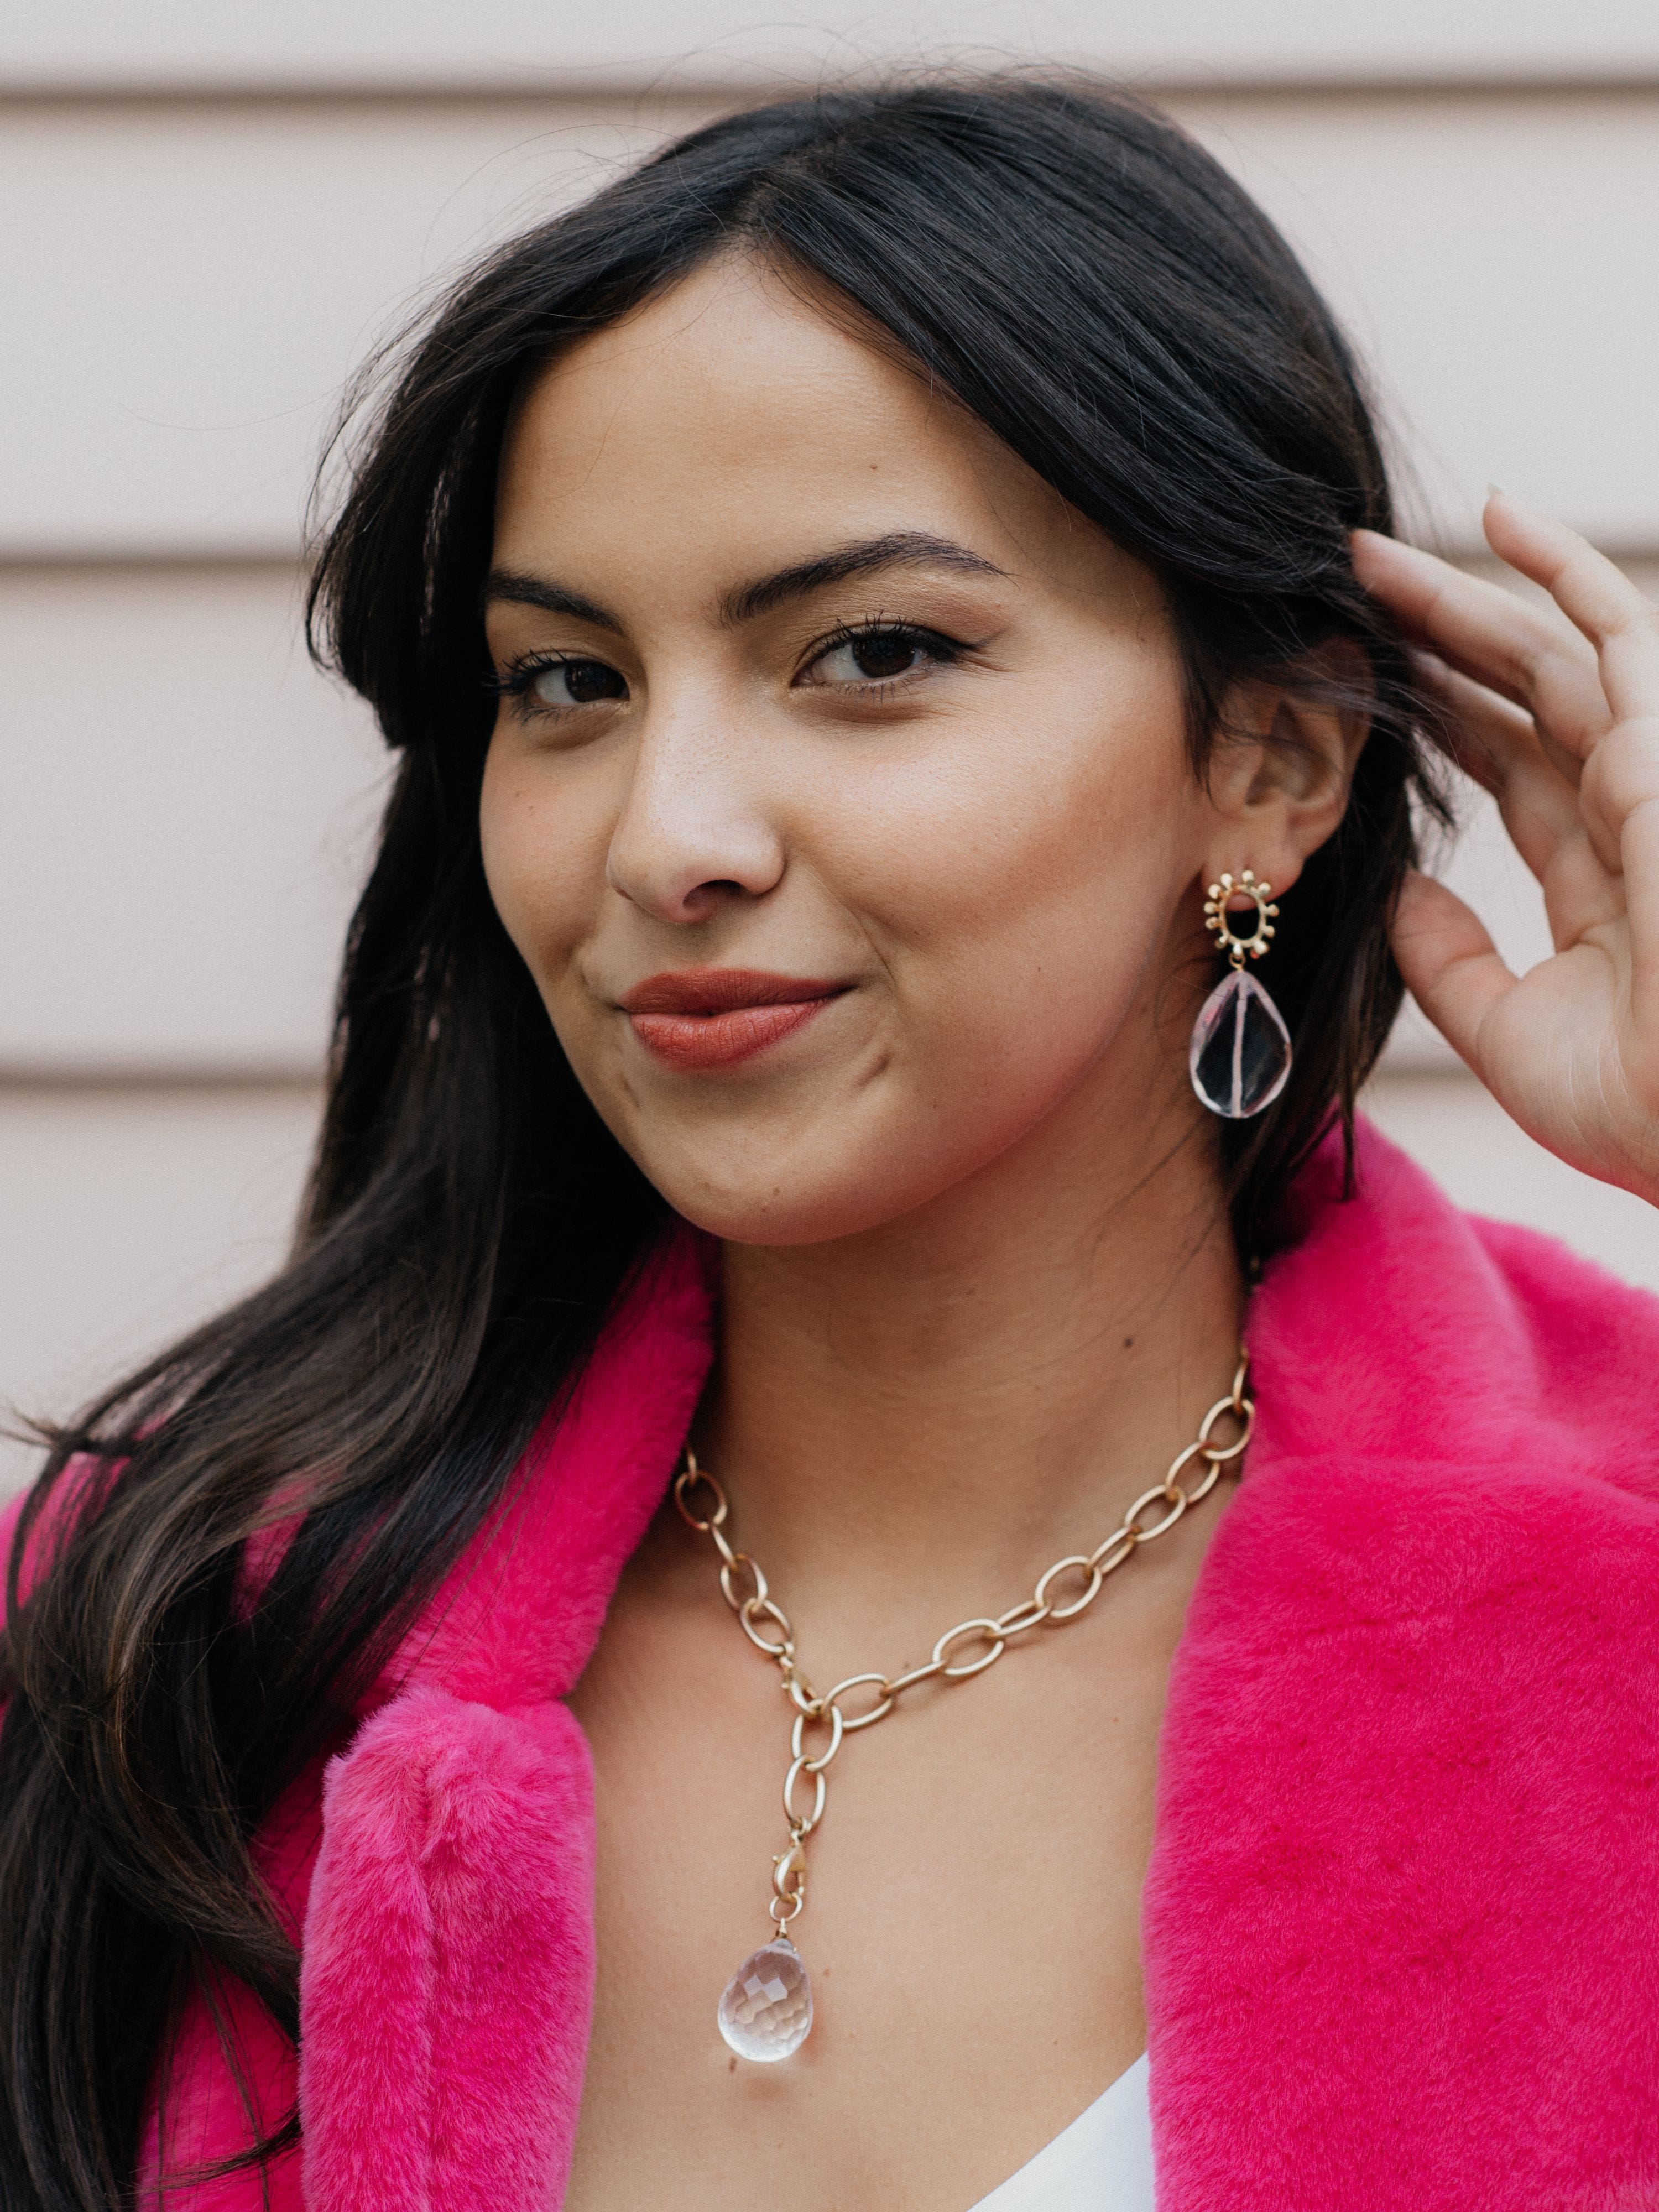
x=868 y=606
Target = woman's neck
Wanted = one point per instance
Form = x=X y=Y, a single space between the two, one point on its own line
x=917 y=1420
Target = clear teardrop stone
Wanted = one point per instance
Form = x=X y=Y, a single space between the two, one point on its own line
x=1241 y=1050
x=767 y=2011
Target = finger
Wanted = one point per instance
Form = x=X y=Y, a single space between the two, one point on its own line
x=1451 y=967
x=1497 y=746
x=1622 y=775
x=1598 y=598
x=1487 y=736
x=1621 y=790
x=1529 y=654
x=1641 y=850
x=1562 y=759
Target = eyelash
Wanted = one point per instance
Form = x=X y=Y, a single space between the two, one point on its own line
x=520 y=674
x=515 y=681
x=946 y=652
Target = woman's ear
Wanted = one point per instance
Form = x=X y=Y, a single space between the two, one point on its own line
x=1282 y=765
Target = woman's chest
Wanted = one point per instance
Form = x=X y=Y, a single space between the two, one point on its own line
x=971 y=1927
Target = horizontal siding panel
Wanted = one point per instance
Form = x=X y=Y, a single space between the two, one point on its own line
x=129 y=1215
x=194 y=285
x=1498 y=265
x=195 y=288
x=185 y=809
x=432 y=43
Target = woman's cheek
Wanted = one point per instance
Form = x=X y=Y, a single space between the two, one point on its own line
x=544 y=863
x=506 y=806
x=1044 y=867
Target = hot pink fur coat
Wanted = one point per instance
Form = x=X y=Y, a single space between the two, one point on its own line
x=1401 y=1925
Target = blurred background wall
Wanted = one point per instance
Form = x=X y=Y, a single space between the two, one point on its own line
x=214 y=207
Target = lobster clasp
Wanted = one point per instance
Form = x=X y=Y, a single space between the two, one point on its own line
x=789 y=1875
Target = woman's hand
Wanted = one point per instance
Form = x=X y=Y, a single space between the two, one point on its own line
x=1557 y=714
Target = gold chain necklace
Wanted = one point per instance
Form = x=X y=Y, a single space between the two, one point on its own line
x=765 y=2011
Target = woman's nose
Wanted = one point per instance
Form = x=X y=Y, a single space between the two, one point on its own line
x=694 y=830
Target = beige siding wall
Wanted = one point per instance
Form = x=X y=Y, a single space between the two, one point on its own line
x=226 y=207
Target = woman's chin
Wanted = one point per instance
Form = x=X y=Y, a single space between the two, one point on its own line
x=815 y=1162
x=750 y=1192
x=816 y=1211
x=816 y=1193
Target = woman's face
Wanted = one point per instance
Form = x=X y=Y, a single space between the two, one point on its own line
x=838 y=799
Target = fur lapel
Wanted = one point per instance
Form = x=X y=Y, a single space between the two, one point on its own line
x=1401 y=1920
x=448 y=1971
x=448 y=1961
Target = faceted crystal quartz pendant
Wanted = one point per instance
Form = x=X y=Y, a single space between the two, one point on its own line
x=1241 y=1051
x=766 y=2009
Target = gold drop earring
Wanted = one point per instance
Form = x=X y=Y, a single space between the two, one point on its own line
x=1240 y=1056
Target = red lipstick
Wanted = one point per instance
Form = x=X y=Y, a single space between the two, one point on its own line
x=696 y=1017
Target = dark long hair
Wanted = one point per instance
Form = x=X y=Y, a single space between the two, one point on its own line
x=1096 y=289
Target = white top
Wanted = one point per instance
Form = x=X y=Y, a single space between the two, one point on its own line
x=1102 y=2163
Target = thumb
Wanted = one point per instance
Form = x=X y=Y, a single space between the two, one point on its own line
x=1451 y=967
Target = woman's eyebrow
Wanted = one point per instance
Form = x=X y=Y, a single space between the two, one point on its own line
x=900 y=548
x=553 y=598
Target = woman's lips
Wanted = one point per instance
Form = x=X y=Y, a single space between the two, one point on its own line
x=696 y=1018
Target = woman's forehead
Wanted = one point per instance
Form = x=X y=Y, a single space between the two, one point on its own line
x=731 y=375
x=729 y=421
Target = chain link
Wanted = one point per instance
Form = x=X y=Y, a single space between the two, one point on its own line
x=757 y=1605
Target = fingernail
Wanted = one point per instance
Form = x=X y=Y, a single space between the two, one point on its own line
x=1496 y=491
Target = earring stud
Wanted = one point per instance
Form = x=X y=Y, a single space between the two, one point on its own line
x=1221 y=893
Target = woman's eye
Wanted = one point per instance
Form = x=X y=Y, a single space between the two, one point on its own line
x=878 y=656
x=576 y=683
